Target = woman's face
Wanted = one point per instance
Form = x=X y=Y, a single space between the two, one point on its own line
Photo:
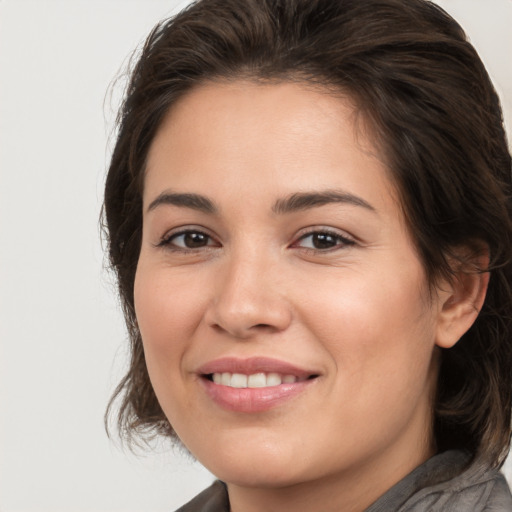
x=286 y=320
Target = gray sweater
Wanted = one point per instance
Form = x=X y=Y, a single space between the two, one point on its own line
x=443 y=483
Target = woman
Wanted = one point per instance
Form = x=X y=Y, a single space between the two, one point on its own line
x=308 y=211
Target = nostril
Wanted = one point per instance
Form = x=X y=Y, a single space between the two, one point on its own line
x=245 y=318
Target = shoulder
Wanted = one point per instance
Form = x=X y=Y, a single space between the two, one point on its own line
x=478 y=488
x=501 y=498
x=448 y=482
x=212 y=499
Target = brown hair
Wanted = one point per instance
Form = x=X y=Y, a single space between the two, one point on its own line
x=423 y=88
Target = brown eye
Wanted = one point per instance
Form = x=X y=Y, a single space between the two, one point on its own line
x=193 y=240
x=323 y=241
x=188 y=240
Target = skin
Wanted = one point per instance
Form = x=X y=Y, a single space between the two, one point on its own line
x=357 y=313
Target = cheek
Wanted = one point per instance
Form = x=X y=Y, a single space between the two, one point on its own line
x=381 y=344
x=168 y=309
x=378 y=329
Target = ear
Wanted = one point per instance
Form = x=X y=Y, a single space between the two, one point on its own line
x=462 y=298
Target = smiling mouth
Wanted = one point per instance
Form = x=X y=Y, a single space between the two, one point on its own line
x=254 y=385
x=254 y=380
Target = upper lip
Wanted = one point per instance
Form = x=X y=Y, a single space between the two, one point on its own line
x=253 y=365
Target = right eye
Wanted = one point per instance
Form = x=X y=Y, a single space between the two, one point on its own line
x=187 y=240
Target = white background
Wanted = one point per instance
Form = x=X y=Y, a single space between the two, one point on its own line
x=61 y=332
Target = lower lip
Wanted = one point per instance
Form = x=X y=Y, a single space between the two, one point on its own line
x=253 y=399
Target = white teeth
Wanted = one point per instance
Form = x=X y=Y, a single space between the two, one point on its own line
x=238 y=380
x=255 y=380
x=273 y=379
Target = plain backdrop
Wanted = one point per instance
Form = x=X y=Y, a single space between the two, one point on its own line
x=62 y=339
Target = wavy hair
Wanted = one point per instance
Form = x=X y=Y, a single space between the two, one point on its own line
x=428 y=98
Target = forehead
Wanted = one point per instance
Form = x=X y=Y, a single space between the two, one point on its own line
x=288 y=136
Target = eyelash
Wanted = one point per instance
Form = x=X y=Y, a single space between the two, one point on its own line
x=341 y=241
x=167 y=241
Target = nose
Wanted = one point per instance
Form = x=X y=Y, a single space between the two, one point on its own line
x=249 y=298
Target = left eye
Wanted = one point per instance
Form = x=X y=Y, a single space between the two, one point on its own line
x=321 y=240
x=188 y=240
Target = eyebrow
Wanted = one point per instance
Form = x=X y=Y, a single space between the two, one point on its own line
x=192 y=201
x=298 y=201
x=306 y=200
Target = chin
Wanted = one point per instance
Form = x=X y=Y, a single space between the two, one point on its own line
x=269 y=475
x=252 y=464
